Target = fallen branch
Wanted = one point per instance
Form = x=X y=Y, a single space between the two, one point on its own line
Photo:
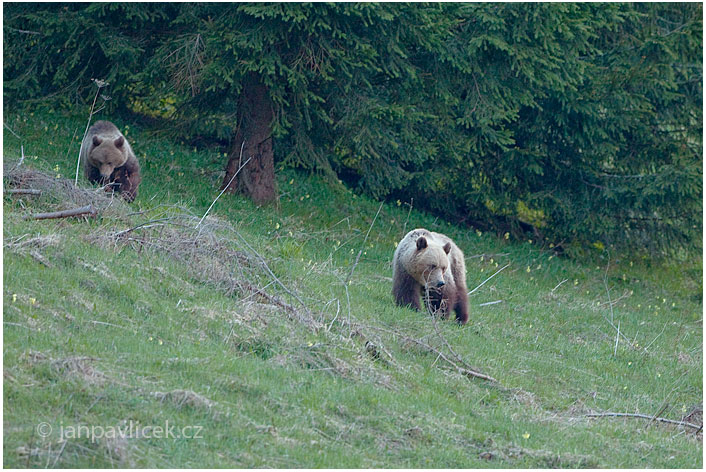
x=10 y=130
x=656 y=415
x=559 y=285
x=86 y=210
x=496 y=273
x=644 y=417
x=615 y=301
x=289 y=309
x=39 y=258
x=148 y=224
x=491 y=303
x=460 y=369
x=272 y=274
x=460 y=365
x=463 y=370
x=23 y=191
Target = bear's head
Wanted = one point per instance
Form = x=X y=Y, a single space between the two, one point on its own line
x=108 y=154
x=430 y=266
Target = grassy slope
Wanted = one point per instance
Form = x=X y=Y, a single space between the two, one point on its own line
x=91 y=338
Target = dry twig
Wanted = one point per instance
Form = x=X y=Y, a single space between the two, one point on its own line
x=86 y=210
x=644 y=417
x=23 y=191
x=486 y=280
x=462 y=369
x=460 y=364
x=559 y=285
x=491 y=303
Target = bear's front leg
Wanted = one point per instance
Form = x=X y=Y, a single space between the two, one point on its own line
x=462 y=308
x=406 y=290
x=437 y=303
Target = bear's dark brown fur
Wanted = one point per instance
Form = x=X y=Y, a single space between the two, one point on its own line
x=109 y=160
x=430 y=265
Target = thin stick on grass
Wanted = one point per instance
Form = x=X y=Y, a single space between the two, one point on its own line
x=655 y=339
x=617 y=338
x=661 y=410
x=23 y=191
x=100 y=84
x=486 y=280
x=147 y=224
x=269 y=271
x=559 y=285
x=467 y=370
x=338 y=310
x=362 y=247
x=19 y=163
x=460 y=369
x=491 y=303
x=85 y=210
x=58 y=456
x=615 y=301
x=625 y=338
x=442 y=337
x=10 y=130
x=240 y=167
x=607 y=291
x=10 y=323
x=610 y=321
x=96 y=322
x=644 y=417
x=348 y=303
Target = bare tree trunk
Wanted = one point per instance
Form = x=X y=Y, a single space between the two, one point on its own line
x=256 y=179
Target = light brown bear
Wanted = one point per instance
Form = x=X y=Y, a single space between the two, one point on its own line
x=430 y=265
x=108 y=159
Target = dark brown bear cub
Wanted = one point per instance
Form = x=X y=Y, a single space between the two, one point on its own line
x=430 y=265
x=108 y=159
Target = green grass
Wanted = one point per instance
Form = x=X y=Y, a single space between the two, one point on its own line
x=98 y=333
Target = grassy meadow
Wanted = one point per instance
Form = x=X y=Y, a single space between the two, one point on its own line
x=266 y=342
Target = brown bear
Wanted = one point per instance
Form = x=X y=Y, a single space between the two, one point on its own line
x=431 y=265
x=108 y=159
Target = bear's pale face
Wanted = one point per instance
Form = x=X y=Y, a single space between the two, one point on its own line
x=108 y=154
x=431 y=264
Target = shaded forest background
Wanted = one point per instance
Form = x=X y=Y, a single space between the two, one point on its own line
x=578 y=125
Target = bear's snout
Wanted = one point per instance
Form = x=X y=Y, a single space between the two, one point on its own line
x=105 y=171
x=440 y=283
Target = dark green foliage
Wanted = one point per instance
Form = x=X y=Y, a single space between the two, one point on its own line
x=578 y=123
x=55 y=49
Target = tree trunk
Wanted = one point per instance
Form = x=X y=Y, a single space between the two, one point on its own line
x=255 y=167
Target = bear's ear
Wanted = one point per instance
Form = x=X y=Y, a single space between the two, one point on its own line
x=119 y=142
x=421 y=243
x=447 y=248
x=97 y=141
